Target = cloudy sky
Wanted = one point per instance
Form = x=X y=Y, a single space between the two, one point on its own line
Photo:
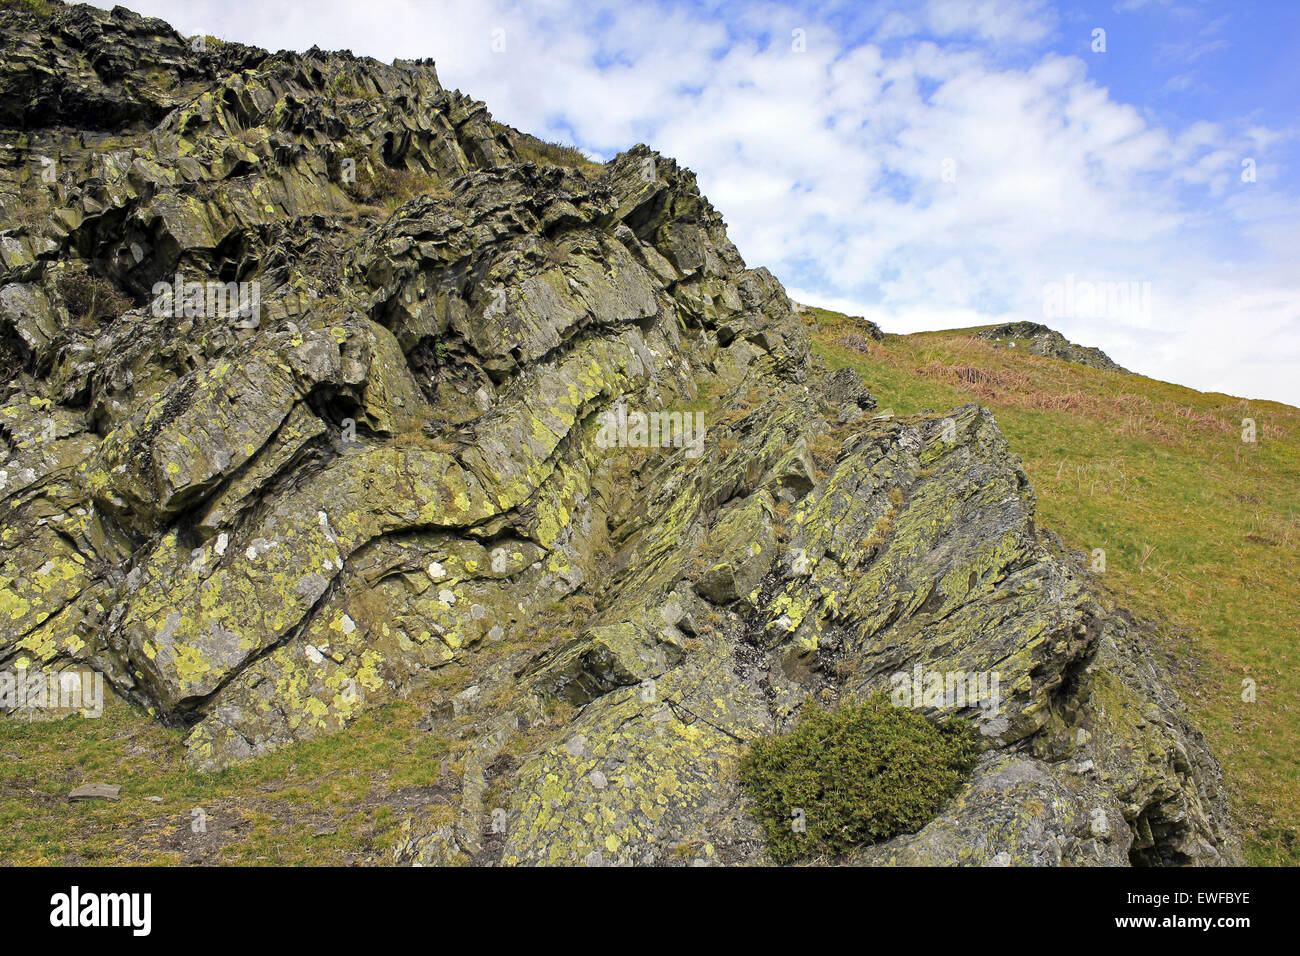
x=926 y=163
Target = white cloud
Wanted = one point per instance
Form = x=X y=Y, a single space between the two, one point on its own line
x=1016 y=21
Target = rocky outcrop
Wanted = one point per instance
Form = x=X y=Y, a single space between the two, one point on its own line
x=1041 y=340
x=528 y=442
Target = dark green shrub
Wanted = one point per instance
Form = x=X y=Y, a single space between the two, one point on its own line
x=861 y=773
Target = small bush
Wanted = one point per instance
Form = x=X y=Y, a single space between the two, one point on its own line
x=860 y=774
x=93 y=298
x=345 y=86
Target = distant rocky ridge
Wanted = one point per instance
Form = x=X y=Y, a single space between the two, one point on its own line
x=1052 y=344
x=380 y=474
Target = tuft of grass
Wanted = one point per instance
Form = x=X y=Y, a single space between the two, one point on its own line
x=855 y=775
x=532 y=149
x=380 y=185
x=29 y=209
x=39 y=7
x=91 y=298
x=1200 y=529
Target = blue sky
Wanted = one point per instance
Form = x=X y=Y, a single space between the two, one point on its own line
x=927 y=163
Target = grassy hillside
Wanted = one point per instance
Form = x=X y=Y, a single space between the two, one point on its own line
x=334 y=801
x=1198 y=526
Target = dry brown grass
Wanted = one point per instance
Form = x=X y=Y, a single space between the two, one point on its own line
x=91 y=298
x=383 y=186
x=530 y=149
x=855 y=341
x=30 y=208
x=1040 y=387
